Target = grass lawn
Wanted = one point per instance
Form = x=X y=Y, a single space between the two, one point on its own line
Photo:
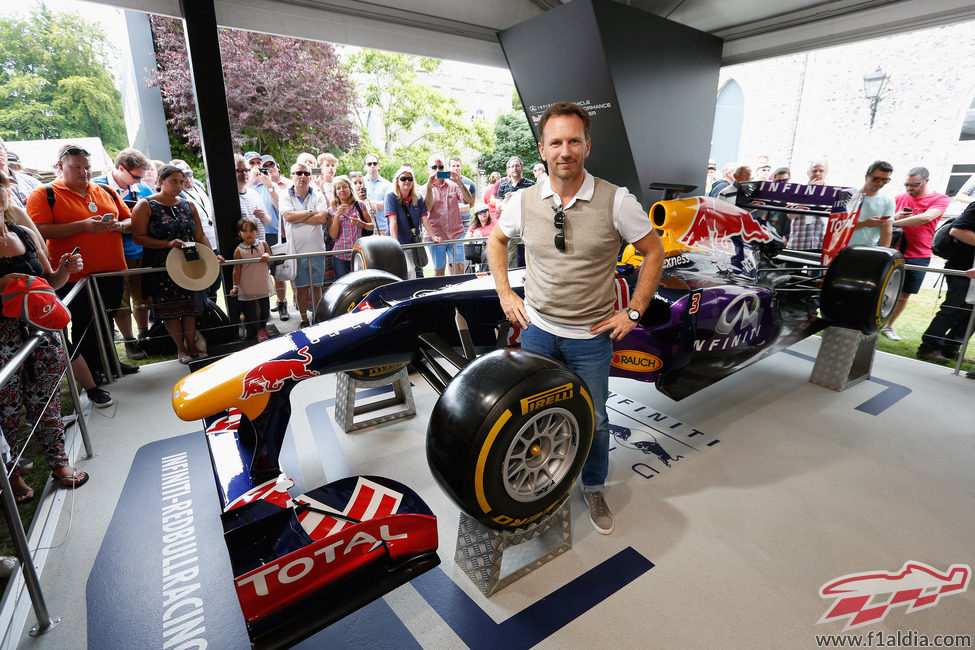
x=912 y=323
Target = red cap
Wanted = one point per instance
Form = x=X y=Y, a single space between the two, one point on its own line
x=32 y=300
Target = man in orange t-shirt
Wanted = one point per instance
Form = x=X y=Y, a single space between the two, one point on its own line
x=91 y=217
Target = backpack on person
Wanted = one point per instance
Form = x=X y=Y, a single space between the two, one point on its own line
x=943 y=244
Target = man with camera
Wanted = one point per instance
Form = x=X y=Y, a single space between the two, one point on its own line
x=377 y=188
x=444 y=193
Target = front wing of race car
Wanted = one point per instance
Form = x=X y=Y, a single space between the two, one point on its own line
x=303 y=562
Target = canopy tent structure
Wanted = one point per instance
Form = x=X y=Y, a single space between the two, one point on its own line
x=465 y=30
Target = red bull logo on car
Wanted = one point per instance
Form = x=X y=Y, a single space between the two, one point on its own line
x=916 y=586
x=717 y=221
x=704 y=222
x=270 y=376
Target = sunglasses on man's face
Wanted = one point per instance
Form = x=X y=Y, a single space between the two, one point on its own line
x=913 y=184
x=137 y=177
x=371 y=164
x=436 y=167
x=301 y=173
x=880 y=179
x=241 y=171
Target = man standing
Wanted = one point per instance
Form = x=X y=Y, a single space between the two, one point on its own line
x=251 y=204
x=443 y=198
x=456 y=166
x=305 y=210
x=327 y=164
x=743 y=173
x=763 y=170
x=709 y=179
x=727 y=178
x=807 y=230
x=377 y=188
x=538 y=171
x=918 y=211
x=873 y=228
x=270 y=165
x=567 y=313
x=126 y=180
x=512 y=183
x=780 y=220
x=943 y=339
x=90 y=217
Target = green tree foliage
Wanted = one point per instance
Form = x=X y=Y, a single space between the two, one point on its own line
x=415 y=119
x=512 y=137
x=54 y=81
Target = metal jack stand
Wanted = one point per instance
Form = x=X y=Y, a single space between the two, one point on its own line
x=845 y=358
x=480 y=549
x=346 y=410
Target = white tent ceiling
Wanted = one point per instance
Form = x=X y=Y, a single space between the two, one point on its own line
x=465 y=30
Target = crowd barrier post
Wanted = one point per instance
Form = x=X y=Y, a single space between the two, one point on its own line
x=44 y=620
x=72 y=384
x=105 y=330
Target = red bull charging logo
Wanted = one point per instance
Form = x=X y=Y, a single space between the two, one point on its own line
x=270 y=376
x=718 y=221
x=916 y=586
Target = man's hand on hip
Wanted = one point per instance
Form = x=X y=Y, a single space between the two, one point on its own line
x=618 y=325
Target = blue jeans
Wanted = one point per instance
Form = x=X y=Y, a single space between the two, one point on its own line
x=341 y=267
x=588 y=358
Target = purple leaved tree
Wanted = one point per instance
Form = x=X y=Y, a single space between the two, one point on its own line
x=285 y=95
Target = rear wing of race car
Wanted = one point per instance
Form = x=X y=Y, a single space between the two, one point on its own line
x=841 y=206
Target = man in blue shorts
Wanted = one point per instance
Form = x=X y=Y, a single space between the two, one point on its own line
x=442 y=197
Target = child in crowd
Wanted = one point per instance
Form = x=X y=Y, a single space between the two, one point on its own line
x=252 y=281
x=481 y=226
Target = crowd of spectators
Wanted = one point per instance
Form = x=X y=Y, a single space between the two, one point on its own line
x=906 y=221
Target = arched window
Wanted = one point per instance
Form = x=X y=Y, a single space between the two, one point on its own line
x=728 y=115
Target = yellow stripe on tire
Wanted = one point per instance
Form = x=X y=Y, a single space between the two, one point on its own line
x=482 y=461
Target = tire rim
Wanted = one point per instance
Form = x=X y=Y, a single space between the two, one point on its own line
x=357 y=264
x=891 y=291
x=541 y=455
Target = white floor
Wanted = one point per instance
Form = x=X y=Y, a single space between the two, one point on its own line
x=796 y=488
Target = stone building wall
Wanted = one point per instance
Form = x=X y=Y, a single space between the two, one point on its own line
x=802 y=107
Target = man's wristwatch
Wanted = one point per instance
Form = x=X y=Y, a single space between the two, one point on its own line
x=633 y=314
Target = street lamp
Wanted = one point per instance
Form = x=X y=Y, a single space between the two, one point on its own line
x=873 y=85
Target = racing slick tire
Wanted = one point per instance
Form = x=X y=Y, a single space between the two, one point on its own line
x=861 y=287
x=509 y=436
x=379 y=252
x=348 y=291
x=342 y=297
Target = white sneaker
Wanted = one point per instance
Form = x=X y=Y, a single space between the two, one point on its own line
x=599 y=513
x=890 y=333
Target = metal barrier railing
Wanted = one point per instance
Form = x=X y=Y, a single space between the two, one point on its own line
x=111 y=360
x=971 y=316
x=7 y=499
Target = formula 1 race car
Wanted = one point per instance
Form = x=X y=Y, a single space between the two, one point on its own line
x=511 y=430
